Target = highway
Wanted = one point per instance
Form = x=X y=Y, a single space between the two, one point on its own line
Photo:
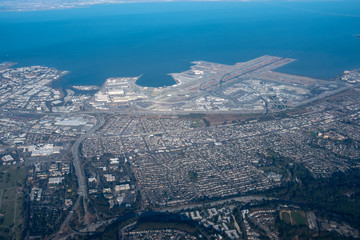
x=81 y=180
x=82 y=191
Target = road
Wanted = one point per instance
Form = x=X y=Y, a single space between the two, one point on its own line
x=79 y=172
x=82 y=191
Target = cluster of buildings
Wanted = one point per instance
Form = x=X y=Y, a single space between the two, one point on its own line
x=259 y=219
x=229 y=159
x=351 y=77
x=73 y=101
x=27 y=88
x=169 y=160
x=263 y=219
x=24 y=130
x=246 y=87
x=341 y=228
x=41 y=142
x=125 y=133
x=219 y=219
x=157 y=234
x=8 y=160
x=51 y=194
x=110 y=177
x=117 y=90
x=166 y=178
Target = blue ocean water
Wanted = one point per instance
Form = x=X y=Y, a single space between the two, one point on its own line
x=155 y=39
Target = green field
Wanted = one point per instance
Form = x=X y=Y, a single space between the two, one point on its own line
x=293 y=217
x=285 y=216
x=11 y=201
x=298 y=218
